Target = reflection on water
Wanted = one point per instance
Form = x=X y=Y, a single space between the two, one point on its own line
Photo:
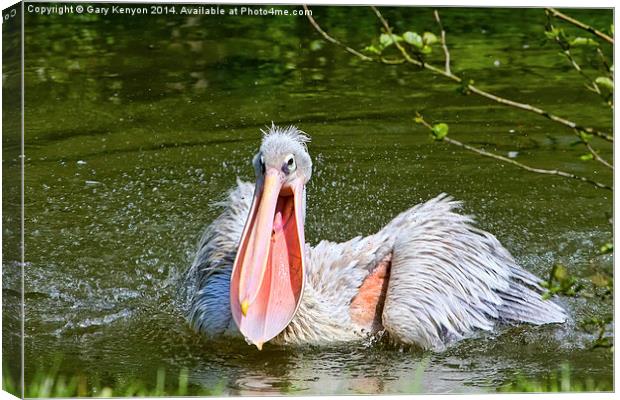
x=137 y=126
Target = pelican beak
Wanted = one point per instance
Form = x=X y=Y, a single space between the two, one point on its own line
x=268 y=273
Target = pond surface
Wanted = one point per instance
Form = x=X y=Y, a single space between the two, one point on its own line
x=135 y=126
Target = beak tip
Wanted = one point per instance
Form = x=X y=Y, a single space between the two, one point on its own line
x=245 y=304
x=259 y=345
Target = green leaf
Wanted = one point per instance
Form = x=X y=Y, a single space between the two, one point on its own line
x=586 y=157
x=372 y=49
x=607 y=248
x=440 y=131
x=605 y=82
x=429 y=38
x=581 y=41
x=385 y=40
x=584 y=136
x=426 y=49
x=316 y=45
x=553 y=33
x=413 y=39
x=560 y=273
x=464 y=86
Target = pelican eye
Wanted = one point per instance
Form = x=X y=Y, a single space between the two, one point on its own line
x=290 y=164
x=262 y=164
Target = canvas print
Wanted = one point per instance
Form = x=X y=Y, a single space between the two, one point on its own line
x=240 y=200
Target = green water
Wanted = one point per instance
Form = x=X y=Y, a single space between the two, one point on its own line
x=136 y=125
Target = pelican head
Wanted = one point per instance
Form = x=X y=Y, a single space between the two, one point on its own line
x=268 y=274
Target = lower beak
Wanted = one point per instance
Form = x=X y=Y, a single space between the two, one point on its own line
x=267 y=278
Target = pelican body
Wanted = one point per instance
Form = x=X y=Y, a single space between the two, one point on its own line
x=427 y=279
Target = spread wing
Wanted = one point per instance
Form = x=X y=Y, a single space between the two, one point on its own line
x=449 y=278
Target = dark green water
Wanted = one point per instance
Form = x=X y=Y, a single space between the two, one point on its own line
x=136 y=125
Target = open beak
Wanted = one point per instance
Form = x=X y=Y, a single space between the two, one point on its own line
x=268 y=273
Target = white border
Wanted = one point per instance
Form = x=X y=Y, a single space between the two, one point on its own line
x=456 y=3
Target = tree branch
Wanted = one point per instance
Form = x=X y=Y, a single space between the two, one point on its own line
x=488 y=95
x=580 y=24
x=541 y=112
x=333 y=40
x=455 y=78
x=603 y=59
x=443 y=42
x=402 y=50
x=585 y=76
x=513 y=162
x=597 y=157
x=566 y=51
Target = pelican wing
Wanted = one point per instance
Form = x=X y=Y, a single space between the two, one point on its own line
x=208 y=278
x=449 y=278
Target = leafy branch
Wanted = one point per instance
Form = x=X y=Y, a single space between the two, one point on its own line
x=561 y=282
x=420 y=49
x=597 y=157
x=439 y=132
x=601 y=85
x=580 y=24
x=331 y=39
x=413 y=48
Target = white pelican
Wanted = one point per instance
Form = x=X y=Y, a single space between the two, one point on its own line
x=428 y=278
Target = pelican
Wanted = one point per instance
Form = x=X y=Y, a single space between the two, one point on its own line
x=427 y=279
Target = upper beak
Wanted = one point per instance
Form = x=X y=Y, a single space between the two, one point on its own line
x=268 y=273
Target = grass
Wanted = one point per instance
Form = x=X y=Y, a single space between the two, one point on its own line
x=558 y=381
x=418 y=377
x=53 y=384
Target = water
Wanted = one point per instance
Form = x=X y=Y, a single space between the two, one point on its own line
x=136 y=125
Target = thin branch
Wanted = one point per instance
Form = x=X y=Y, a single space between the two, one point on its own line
x=390 y=61
x=333 y=40
x=457 y=79
x=526 y=167
x=580 y=24
x=575 y=65
x=516 y=163
x=597 y=157
x=603 y=59
x=388 y=30
x=566 y=50
x=541 y=112
x=443 y=42
x=488 y=95
x=448 y=74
